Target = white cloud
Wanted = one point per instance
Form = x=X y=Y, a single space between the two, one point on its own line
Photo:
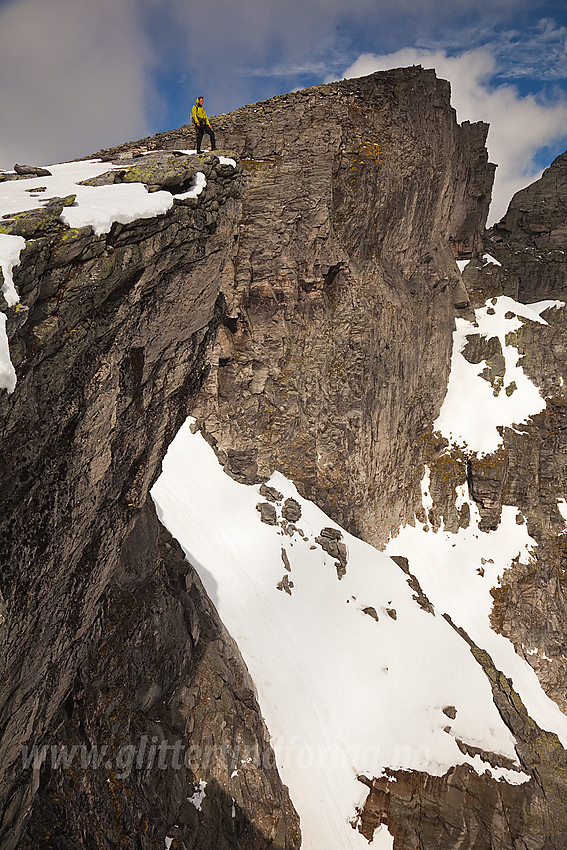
x=539 y=52
x=77 y=76
x=519 y=125
x=74 y=78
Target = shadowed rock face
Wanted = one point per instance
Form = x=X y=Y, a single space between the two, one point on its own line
x=108 y=637
x=164 y=674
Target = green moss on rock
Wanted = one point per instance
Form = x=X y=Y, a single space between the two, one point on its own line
x=33 y=223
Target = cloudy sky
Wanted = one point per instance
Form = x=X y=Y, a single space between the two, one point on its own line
x=78 y=75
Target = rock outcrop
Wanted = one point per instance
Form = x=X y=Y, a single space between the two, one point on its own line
x=533 y=234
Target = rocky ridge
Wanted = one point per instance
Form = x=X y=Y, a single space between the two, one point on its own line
x=307 y=323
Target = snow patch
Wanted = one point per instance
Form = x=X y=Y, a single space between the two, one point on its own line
x=10 y=250
x=196 y=189
x=462 y=264
x=488 y=260
x=7 y=372
x=462 y=495
x=534 y=651
x=457 y=573
x=382 y=839
x=472 y=413
x=426 y=497
x=197 y=798
x=224 y=160
x=101 y=206
x=562 y=507
x=343 y=693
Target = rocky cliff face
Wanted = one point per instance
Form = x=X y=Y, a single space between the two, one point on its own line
x=108 y=638
x=302 y=309
x=526 y=262
x=336 y=348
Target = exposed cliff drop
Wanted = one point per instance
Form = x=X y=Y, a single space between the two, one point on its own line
x=307 y=324
x=283 y=373
x=110 y=649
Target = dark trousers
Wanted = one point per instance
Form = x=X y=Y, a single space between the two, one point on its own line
x=201 y=129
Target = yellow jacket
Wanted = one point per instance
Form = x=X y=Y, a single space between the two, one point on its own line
x=198 y=114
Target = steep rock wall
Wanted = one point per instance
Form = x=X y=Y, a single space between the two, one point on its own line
x=527 y=471
x=336 y=346
x=108 y=637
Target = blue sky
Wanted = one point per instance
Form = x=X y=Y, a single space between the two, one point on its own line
x=77 y=75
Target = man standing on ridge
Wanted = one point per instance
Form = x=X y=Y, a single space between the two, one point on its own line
x=202 y=124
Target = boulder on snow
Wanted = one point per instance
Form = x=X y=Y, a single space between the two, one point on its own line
x=267 y=513
x=291 y=510
x=31 y=171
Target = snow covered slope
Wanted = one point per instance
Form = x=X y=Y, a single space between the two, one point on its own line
x=352 y=673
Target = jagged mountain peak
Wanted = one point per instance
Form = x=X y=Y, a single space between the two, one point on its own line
x=536 y=214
